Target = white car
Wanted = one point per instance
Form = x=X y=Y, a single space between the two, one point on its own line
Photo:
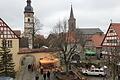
x=6 y=78
x=95 y=72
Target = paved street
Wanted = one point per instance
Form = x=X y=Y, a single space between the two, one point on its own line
x=24 y=74
x=28 y=75
x=77 y=71
x=95 y=78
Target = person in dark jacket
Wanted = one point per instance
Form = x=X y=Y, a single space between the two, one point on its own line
x=37 y=77
x=48 y=75
x=41 y=70
x=44 y=76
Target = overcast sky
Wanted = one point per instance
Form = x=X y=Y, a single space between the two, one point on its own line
x=88 y=13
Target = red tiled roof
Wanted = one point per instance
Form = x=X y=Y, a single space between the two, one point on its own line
x=8 y=31
x=97 y=39
x=71 y=37
x=28 y=51
x=116 y=27
x=17 y=32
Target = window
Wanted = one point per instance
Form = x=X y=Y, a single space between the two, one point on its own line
x=109 y=41
x=101 y=71
x=112 y=41
x=92 y=70
x=96 y=70
x=28 y=20
x=9 y=43
x=111 y=31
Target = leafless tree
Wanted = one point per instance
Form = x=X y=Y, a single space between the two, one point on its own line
x=36 y=28
x=82 y=40
x=37 y=25
x=112 y=59
x=39 y=41
x=67 y=49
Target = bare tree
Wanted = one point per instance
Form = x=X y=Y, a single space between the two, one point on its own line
x=39 y=41
x=82 y=40
x=62 y=42
x=36 y=29
x=112 y=58
x=37 y=25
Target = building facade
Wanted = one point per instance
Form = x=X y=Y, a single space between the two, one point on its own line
x=12 y=40
x=111 y=41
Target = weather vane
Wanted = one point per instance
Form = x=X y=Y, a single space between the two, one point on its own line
x=110 y=20
x=71 y=2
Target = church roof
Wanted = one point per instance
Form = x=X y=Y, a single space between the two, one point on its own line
x=116 y=27
x=88 y=31
x=97 y=39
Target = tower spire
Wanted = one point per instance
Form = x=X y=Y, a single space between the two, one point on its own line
x=72 y=21
x=71 y=12
x=29 y=2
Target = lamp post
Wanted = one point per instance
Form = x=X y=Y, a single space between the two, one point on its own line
x=105 y=71
x=118 y=70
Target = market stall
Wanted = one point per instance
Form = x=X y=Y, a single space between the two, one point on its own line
x=48 y=63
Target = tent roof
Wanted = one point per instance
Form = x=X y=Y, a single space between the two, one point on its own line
x=90 y=52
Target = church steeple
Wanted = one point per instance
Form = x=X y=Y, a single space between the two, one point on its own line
x=71 y=13
x=72 y=21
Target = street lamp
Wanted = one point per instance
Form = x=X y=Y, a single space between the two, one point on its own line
x=105 y=72
x=118 y=69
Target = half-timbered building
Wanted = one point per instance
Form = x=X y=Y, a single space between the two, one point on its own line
x=11 y=38
x=111 y=41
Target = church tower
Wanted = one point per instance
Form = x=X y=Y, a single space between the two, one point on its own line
x=71 y=21
x=29 y=23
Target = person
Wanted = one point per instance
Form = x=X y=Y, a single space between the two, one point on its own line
x=44 y=76
x=29 y=67
x=48 y=75
x=32 y=66
x=41 y=70
x=37 y=77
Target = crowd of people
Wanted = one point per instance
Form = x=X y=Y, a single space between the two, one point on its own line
x=46 y=76
x=45 y=73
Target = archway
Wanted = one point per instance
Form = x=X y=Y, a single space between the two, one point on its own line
x=25 y=60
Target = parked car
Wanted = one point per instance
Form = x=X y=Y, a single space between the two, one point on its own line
x=6 y=78
x=94 y=72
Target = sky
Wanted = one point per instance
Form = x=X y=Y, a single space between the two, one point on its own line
x=88 y=13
